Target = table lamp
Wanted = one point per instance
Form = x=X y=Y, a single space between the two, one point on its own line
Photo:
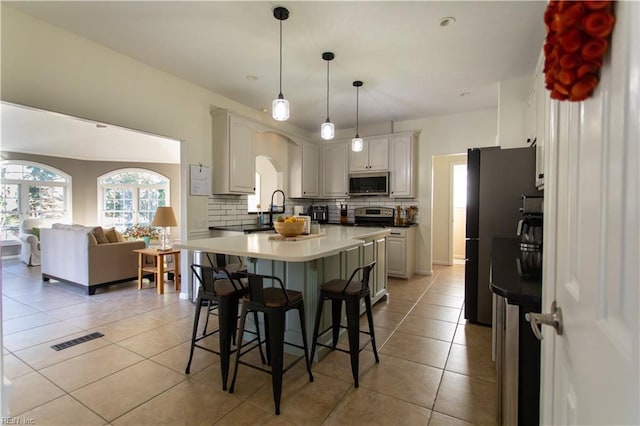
x=164 y=218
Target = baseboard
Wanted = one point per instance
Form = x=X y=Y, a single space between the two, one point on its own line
x=423 y=272
x=442 y=262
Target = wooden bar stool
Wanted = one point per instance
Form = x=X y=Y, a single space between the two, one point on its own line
x=350 y=291
x=273 y=302
x=225 y=293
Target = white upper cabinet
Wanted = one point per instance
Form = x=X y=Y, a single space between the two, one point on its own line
x=403 y=168
x=233 y=154
x=335 y=158
x=373 y=157
x=303 y=171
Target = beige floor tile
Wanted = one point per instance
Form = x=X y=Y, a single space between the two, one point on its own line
x=337 y=364
x=442 y=313
x=177 y=358
x=447 y=289
x=87 y=368
x=41 y=356
x=441 y=300
x=154 y=341
x=25 y=323
x=416 y=348
x=394 y=305
x=79 y=310
x=63 y=411
x=473 y=335
x=188 y=403
x=303 y=402
x=383 y=319
x=439 y=419
x=406 y=292
x=467 y=398
x=12 y=309
x=248 y=382
x=128 y=327
x=59 y=331
x=95 y=320
x=474 y=361
x=51 y=301
x=30 y=391
x=364 y=407
x=115 y=395
x=13 y=367
x=246 y=414
x=427 y=327
x=405 y=380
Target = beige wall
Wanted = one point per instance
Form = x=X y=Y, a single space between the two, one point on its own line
x=84 y=175
x=442 y=206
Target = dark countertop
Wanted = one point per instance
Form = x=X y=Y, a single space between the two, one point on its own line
x=247 y=229
x=510 y=277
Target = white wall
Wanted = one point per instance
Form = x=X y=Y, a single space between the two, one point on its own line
x=447 y=134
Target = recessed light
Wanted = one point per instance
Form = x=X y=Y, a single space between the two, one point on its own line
x=251 y=77
x=264 y=109
x=446 y=21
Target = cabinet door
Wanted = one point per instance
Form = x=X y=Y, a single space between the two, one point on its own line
x=396 y=257
x=310 y=185
x=401 y=180
x=532 y=112
x=359 y=161
x=335 y=158
x=380 y=270
x=242 y=160
x=378 y=153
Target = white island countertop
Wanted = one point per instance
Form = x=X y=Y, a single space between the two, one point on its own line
x=337 y=238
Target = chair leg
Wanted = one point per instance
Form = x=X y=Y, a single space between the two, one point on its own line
x=304 y=341
x=243 y=317
x=193 y=334
x=336 y=318
x=316 y=328
x=367 y=303
x=228 y=318
x=353 y=329
x=206 y=321
x=257 y=324
x=267 y=337
x=276 y=336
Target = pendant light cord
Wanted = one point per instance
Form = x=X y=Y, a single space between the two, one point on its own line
x=357 y=111
x=327 y=90
x=280 y=94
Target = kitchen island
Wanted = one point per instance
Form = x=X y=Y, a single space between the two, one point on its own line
x=305 y=265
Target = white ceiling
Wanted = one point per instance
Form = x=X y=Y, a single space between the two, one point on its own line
x=410 y=65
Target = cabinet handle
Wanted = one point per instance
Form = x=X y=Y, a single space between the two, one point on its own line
x=541 y=176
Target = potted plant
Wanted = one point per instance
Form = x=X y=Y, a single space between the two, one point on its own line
x=141 y=232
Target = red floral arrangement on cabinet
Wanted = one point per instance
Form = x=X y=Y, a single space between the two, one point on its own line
x=578 y=35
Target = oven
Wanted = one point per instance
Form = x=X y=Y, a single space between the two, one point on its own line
x=373 y=216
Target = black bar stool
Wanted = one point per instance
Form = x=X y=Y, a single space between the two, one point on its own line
x=273 y=302
x=350 y=291
x=225 y=293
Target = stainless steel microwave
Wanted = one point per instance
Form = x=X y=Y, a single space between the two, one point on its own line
x=369 y=183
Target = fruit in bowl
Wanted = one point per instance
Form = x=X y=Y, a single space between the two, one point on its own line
x=289 y=226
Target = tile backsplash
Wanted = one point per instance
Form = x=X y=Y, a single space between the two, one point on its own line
x=225 y=210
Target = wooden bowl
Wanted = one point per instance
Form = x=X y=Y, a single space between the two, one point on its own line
x=289 y=229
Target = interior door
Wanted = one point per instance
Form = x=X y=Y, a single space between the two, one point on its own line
x=591 y=255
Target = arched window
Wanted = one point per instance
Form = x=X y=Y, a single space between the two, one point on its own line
x=131 y=196
x=31 y=190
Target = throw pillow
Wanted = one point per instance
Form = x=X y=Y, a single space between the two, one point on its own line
x=110 y=233
x=36 y=232
x=121 y=239
x=92 y=239
x=98 y=232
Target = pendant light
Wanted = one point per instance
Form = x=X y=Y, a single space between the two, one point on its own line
x=280 y=106
x=327 y=129
x=356 y=143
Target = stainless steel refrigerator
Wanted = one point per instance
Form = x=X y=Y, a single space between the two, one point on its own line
x=496 y=178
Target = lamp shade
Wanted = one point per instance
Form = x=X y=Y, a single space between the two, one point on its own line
x=164 y=217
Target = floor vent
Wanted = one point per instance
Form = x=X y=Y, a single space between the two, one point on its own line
x=76 y=341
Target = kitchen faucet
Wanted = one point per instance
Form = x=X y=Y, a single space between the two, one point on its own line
x=271 y=205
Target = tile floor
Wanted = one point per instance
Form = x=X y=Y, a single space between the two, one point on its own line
x=434 y=368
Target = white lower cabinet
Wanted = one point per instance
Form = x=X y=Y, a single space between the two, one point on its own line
x=401 y=252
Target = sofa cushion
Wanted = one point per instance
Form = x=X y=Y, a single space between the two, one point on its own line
x=92 y=239
x=111 y=235
x=101 y=238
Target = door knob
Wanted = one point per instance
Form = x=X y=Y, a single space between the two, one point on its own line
x=554 y=319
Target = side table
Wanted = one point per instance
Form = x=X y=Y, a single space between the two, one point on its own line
x=158 y=268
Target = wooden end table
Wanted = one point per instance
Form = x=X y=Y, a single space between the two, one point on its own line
x=158 y=269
